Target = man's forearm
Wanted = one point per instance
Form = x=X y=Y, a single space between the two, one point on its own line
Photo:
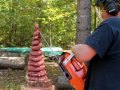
x=83 y=52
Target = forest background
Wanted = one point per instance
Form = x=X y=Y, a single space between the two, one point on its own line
x=57 y=20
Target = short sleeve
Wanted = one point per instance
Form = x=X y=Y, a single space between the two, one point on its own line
x=101 y=39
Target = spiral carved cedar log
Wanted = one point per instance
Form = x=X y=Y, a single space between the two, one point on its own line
x=36 y=75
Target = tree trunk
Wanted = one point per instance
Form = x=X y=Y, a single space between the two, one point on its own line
x=83 y=20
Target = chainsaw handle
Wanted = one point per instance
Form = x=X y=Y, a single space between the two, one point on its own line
x=68 y=59
x=78 y=66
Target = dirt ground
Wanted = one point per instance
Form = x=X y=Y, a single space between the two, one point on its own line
x=13 y=79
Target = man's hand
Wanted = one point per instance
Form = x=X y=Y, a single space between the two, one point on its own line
x=83 y=52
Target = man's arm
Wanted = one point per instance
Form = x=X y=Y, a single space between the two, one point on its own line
x=83 y=52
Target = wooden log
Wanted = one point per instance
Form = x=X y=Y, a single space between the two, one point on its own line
x=12 y=62
x=4 y=53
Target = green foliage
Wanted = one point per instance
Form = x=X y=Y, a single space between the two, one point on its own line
x=56 y=18
x=95 y=20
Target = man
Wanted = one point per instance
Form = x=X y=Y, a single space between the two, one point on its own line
x=102 y=49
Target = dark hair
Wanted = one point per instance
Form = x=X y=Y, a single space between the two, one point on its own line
x=111 y=6
x=98 y=2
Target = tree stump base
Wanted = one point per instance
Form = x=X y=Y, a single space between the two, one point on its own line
x=35 y=88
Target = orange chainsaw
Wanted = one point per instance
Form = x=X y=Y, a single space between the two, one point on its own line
x=73 y=70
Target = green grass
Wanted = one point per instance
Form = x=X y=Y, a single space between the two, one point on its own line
x=11 y=79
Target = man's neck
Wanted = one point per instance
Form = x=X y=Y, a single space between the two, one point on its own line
x=118 y=15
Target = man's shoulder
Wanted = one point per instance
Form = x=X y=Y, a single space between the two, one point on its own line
x=111 y=20
x=111 y=23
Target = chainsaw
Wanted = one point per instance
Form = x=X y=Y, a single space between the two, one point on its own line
x=72 y=68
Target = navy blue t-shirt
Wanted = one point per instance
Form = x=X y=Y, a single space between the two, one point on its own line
x=104 y=68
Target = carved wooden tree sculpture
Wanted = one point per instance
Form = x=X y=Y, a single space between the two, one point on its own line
x=36 y=75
